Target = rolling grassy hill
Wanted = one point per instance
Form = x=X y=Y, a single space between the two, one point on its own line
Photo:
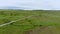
x=42 y=22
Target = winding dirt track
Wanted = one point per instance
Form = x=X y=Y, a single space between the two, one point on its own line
x=16 y=20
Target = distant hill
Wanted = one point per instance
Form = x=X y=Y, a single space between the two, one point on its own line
x=12 y=7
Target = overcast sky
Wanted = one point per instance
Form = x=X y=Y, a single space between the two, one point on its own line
x=31 y=4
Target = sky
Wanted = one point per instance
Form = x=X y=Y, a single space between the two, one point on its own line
x=31 y=4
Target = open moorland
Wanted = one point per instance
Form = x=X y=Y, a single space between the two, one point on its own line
x=29 y=22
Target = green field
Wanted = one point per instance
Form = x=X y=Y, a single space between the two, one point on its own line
x=42 y=22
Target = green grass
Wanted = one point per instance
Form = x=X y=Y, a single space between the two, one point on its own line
x=44 y=18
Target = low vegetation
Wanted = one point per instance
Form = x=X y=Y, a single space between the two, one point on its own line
x=44 y=22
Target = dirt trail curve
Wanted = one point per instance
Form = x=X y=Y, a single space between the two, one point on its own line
x=16 y=20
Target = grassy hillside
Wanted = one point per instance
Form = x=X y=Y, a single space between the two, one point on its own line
x=42 y=22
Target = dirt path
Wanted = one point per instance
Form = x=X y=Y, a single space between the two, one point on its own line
x=16 y=20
